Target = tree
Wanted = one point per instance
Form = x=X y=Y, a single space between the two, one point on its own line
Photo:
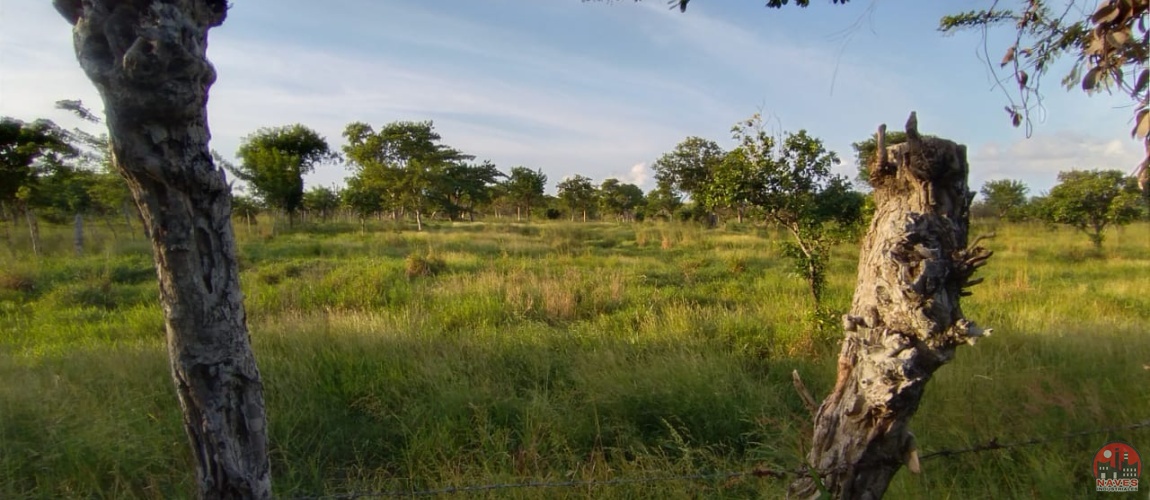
x=28 y=151
x=577 y=194
x=468 y=186
x=689 y=168
x=524 y=187
x=404 y=161
x=792 y=183
x=662 y=201
x=619 y=198
x=905 y=320
x=321 y=200
x=1090 y=201
x=148 y=61
x=1110 y=48
x=1006 y=198
x=274 y=160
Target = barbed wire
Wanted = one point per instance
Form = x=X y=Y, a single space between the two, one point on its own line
x=993 y=444
x=757 y=472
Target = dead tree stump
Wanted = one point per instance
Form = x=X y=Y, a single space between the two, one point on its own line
x=905 y=320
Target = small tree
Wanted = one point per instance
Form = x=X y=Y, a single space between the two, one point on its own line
x=793 y=184
x=662 y=201
x=320 y=200
x=1092 y=200
x=524 y=188
x=274 y=161
x=620 y=198
x=1006 y=198
x=577 y=194
x=688 y=169
x=468 y=186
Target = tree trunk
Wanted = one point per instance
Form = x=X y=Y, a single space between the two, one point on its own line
x=418 y=221
x=78 y=234
x=33 y=231
x=905 y=321
x=147 y=60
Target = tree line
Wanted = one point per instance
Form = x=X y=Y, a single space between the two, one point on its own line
x=404 y=171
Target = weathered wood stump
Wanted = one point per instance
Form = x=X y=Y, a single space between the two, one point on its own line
x=905 y=321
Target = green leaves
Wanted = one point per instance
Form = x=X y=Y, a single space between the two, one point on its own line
x=1092 y=200
x=274 y=160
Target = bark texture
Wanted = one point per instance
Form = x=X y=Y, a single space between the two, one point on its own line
x=147 y=59
x=905 y=321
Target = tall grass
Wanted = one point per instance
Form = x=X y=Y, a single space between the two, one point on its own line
x=491 y=353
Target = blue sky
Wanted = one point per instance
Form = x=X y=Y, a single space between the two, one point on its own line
x=599 y=88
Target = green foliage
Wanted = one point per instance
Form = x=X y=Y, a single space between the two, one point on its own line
x=468 y=186
x=793 y=184
x=866 y=150
x=1092 y=200
x=404 y=164
x=689 y=168
x=27 y=152
x=577 y=194
x=662 y=202
x=619 y=198
x=273 y=162
x=1006 y=198
x=320 y=200
x=524 y=187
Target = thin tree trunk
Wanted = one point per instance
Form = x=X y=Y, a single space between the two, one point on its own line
x=905 y=321
x=78 y=234
x=147 y=60
x=418 y=221
x=33 y=231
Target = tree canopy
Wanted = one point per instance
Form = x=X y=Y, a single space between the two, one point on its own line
x=1091 y=200
x=273 y=162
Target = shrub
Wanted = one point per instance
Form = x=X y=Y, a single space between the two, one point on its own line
x=17 y=281
x=416 y=265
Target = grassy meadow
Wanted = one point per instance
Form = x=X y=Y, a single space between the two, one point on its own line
x=479 y=353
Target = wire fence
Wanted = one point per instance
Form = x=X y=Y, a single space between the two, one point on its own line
x=756 y=472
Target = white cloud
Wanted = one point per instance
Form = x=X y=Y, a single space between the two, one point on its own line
x=1037 y=161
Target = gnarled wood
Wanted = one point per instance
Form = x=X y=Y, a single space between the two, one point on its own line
x=905 y=321
x=147 y=60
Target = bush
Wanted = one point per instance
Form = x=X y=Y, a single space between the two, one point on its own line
x=416 y=265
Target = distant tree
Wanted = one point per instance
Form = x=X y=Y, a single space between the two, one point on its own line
x=620 y=199
x=321 y=200
x=690 y=167
x=1092 y=200
x=362 y=199
x=24 y=147
x=468 y=186
x=273 y=162
x=662 y=201
x=108 y=191
x=524 y=188
x=1006 y=198
x=577 y=194
x=28 y=152
x=404 y=161
x=865 y=151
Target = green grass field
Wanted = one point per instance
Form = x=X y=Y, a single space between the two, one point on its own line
x=485 y=353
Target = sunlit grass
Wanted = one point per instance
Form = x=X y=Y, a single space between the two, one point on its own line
x=553 y=352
